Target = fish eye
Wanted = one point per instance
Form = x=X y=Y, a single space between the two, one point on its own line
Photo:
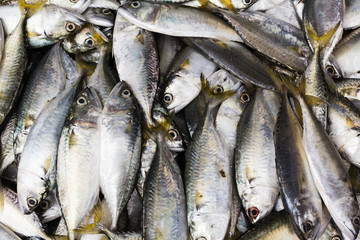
x=308 y=226
x=247 y=2
x=217 y=90
x=32 y=202
x=44 y=205
x=106 y=11
x=89 y=42
x=173 y=134
x=126 y=93
x=254 y=212
x=245 y=97
x=201 y=238
x=356 y=221
x=336 y=237
x=330 y=69
x=168 y=98
x=81 y=101
x=135 y=4
x=70 y=27
x=73 y=1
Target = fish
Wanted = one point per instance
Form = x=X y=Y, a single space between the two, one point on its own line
x=208 y=175
x=298 y=191
x=183 y=80
x=278 y=40
x=170 y=20
x=36 y=173
x=134 y=47
x=323 y=157
x=13 y=61
x=255 y=168
x=248 y=68
x=119 y=166
x=78 y=164
x=164 y=197
x=78 y=5
x=349 y=88
x=7 y=233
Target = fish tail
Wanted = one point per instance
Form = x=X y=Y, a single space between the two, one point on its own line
x=30 y=9
x=320 y=41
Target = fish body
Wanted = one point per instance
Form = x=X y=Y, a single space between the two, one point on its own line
x=170 y=19
x=133 y=48
x=255 y=167
x=78 y=161
x=120 y=149
x=164 y=198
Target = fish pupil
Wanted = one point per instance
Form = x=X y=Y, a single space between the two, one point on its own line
x=330 y=70
x=356 y=221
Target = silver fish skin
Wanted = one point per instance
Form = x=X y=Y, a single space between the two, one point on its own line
x=169 y=46
x=164 y=198
x=102 y=17
x=79 y=6
x=12 y=217
x=48 y=80
x=276 y=39
x=137 y=62
x=36 y=172
x=120 y=148
x=234 y=5
x=2 y=39
x=351 y=14
x=52 y=24
x=345 y=54
x=7 y=234
x=208 y=178
x=328 y=173
x=103 y=80
x=299 y=194
x=264 y=5
x=78 y=161
x=248 y=68
x=344 y=127
x=255 y=167
x=110 y=4
x=12 y=67
x=170 y=20
x=183 y=81
x=90 y=37
x=286 y=12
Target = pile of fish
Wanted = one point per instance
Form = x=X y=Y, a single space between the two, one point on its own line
x=180 y=119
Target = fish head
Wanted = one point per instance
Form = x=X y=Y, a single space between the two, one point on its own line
x=208 y=225
x=109 y=4
x=121 y=99
x=225 y=80
x=259 y=201
x=309 y=222
x=242 y=4
x=103 y=17
x=87 y=107
x=32 y=190
x=140 y=11
x=52 y=24
x=88 y=38
x=179 y=92
x=174 y=140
